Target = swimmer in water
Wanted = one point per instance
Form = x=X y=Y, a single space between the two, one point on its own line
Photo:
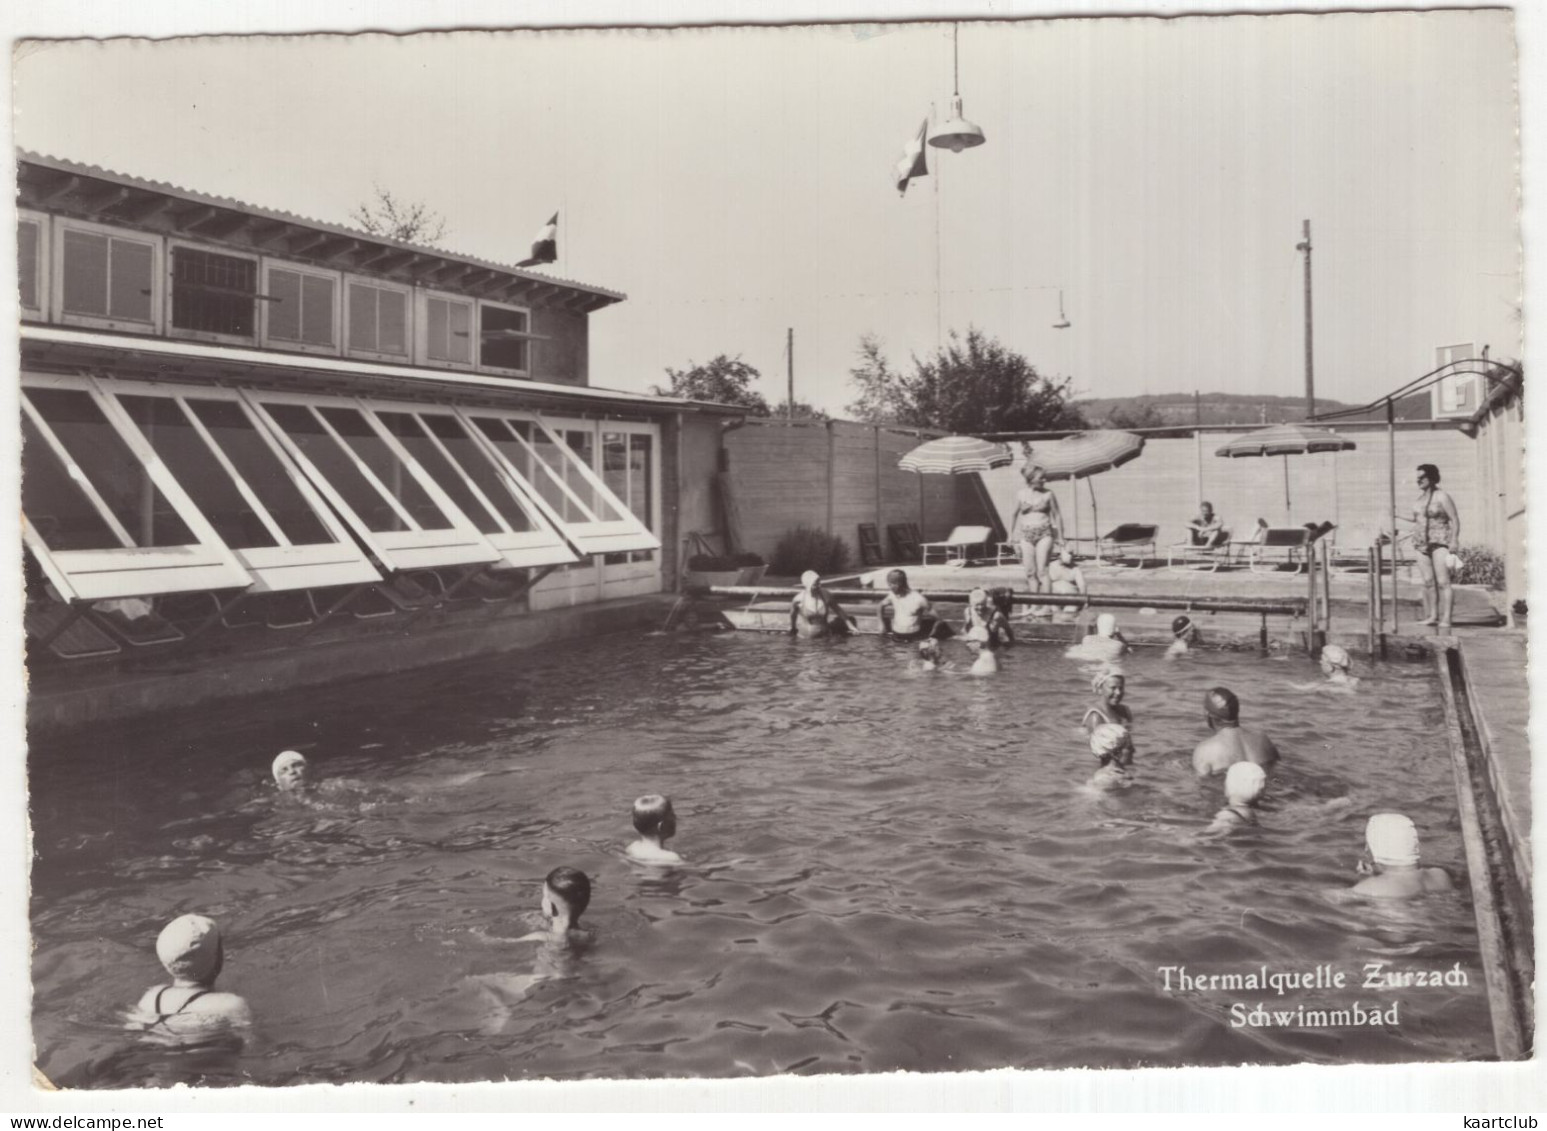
x=1110 y=684
x=292 y=772
x=1245 y=783
x=1391 y=841
x=1184 y=635
x=1335 y=663
x=929 y=655
x=656 y=823
x=905 y=613
x=813 y=612
x=566 y=895
x=985 y=622
x=190 y=1009
x=1231 y=742
x=1106 y=643
x=1112 y=745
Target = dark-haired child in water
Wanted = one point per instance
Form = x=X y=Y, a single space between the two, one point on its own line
x=656 y=823
x=566 y=895
x=1110 y=684
x=1113 y=747
x=929 y=655
x=1184 y=635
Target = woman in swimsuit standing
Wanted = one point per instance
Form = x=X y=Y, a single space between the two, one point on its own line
x=1040 y=525
x=1437 y=531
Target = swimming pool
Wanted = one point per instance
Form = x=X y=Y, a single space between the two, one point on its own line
x=917 y=878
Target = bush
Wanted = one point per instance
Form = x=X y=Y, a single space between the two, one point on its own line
x=1479 y=566
x=723 y=563
x=806 y=547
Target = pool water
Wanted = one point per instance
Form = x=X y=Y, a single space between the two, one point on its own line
x=888 y=870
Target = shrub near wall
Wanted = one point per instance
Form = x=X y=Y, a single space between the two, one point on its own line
x=807 y=547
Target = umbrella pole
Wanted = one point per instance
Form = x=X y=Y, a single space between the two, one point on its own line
x=1287 y=519
x=1095 y=515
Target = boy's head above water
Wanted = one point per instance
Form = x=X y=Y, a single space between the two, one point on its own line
x=654 y=817
x=566 y=894
x=929 y=649
x=291 y=771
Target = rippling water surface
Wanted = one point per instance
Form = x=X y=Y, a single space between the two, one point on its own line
x=888 y=870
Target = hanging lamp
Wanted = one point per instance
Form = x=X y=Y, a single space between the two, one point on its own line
x=1063 y=322
x=956 y=134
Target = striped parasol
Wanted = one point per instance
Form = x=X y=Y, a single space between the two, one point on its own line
x=1284 y=440
x=1085 y=454
x=955 y=455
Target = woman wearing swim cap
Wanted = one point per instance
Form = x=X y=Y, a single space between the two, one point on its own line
x=1391 y=842
x=291 y=771
x=1184 y=634
x=1110 y=685
x=813 y=612
x=1105 y=644
x=1245 y=783
x=190 y=1008
x=1335 y=662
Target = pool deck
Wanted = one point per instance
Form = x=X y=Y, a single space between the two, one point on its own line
x=1495 y=663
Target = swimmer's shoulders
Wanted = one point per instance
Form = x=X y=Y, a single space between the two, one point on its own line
x=648 y=855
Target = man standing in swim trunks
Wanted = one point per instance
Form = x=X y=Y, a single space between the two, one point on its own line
x=1231 y=742
x=905 y=613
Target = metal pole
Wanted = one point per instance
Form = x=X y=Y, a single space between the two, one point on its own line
x=1391 y=480
x=1310 y=369
x=1326 y=585
x=1369 y=599
x=1310 y=604
x=789 y=357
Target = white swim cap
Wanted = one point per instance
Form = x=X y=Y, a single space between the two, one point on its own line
x=1245 y=782
x=286 y=758
x=1108 y=738
x=1335 y=656
x=809 y=578
x=1106 y=624
x=1104 y=675
x=189 y=947
x=1392 y=839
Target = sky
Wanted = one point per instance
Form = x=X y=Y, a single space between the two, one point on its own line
x=736 y=182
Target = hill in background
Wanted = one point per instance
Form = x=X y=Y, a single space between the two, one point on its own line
x=1180 y=409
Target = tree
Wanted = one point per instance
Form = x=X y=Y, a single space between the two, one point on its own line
x=1135 y=415
x=723 y=380
x=970 y=386
x=803 y=411
x=394 y=219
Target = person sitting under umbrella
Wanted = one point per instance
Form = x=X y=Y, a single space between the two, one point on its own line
x=1208 y=529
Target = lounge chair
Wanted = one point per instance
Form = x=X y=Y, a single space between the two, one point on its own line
x=1293 y=542
x=959 y=544
x=1195 y=555
x=1131 y=538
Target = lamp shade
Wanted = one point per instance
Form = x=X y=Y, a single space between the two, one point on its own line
x=957 y=134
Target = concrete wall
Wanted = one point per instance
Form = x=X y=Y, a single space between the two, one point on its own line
x=1499 y=465
x=836 y=475
x=1165 y=483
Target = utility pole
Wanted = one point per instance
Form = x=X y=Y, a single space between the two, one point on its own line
x=789 y=360
x=1310 y=366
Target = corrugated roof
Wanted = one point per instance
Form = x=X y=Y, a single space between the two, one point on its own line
x=79 y=169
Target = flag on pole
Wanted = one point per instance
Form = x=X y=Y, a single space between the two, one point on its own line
x=911 y=164
x=545 y=246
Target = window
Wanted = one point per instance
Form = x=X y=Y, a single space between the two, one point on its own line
x=31 y=262
x=257 y=500
x=105 y=277
x=448 y=331
x=377 y=320
x=214 y=295
x=502 y=338
x=385 y=495
x=104 y=516
x=628 y=470
x=301 y=311
x=497 y=500
x=559 y=465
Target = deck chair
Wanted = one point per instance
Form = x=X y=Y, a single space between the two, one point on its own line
x=1292 y=542
x=1129 y=539
x=870 y=552
x=1193 y=555
x=905 y=542
x=959 y=544
x=135 y=622
x=64 y=631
